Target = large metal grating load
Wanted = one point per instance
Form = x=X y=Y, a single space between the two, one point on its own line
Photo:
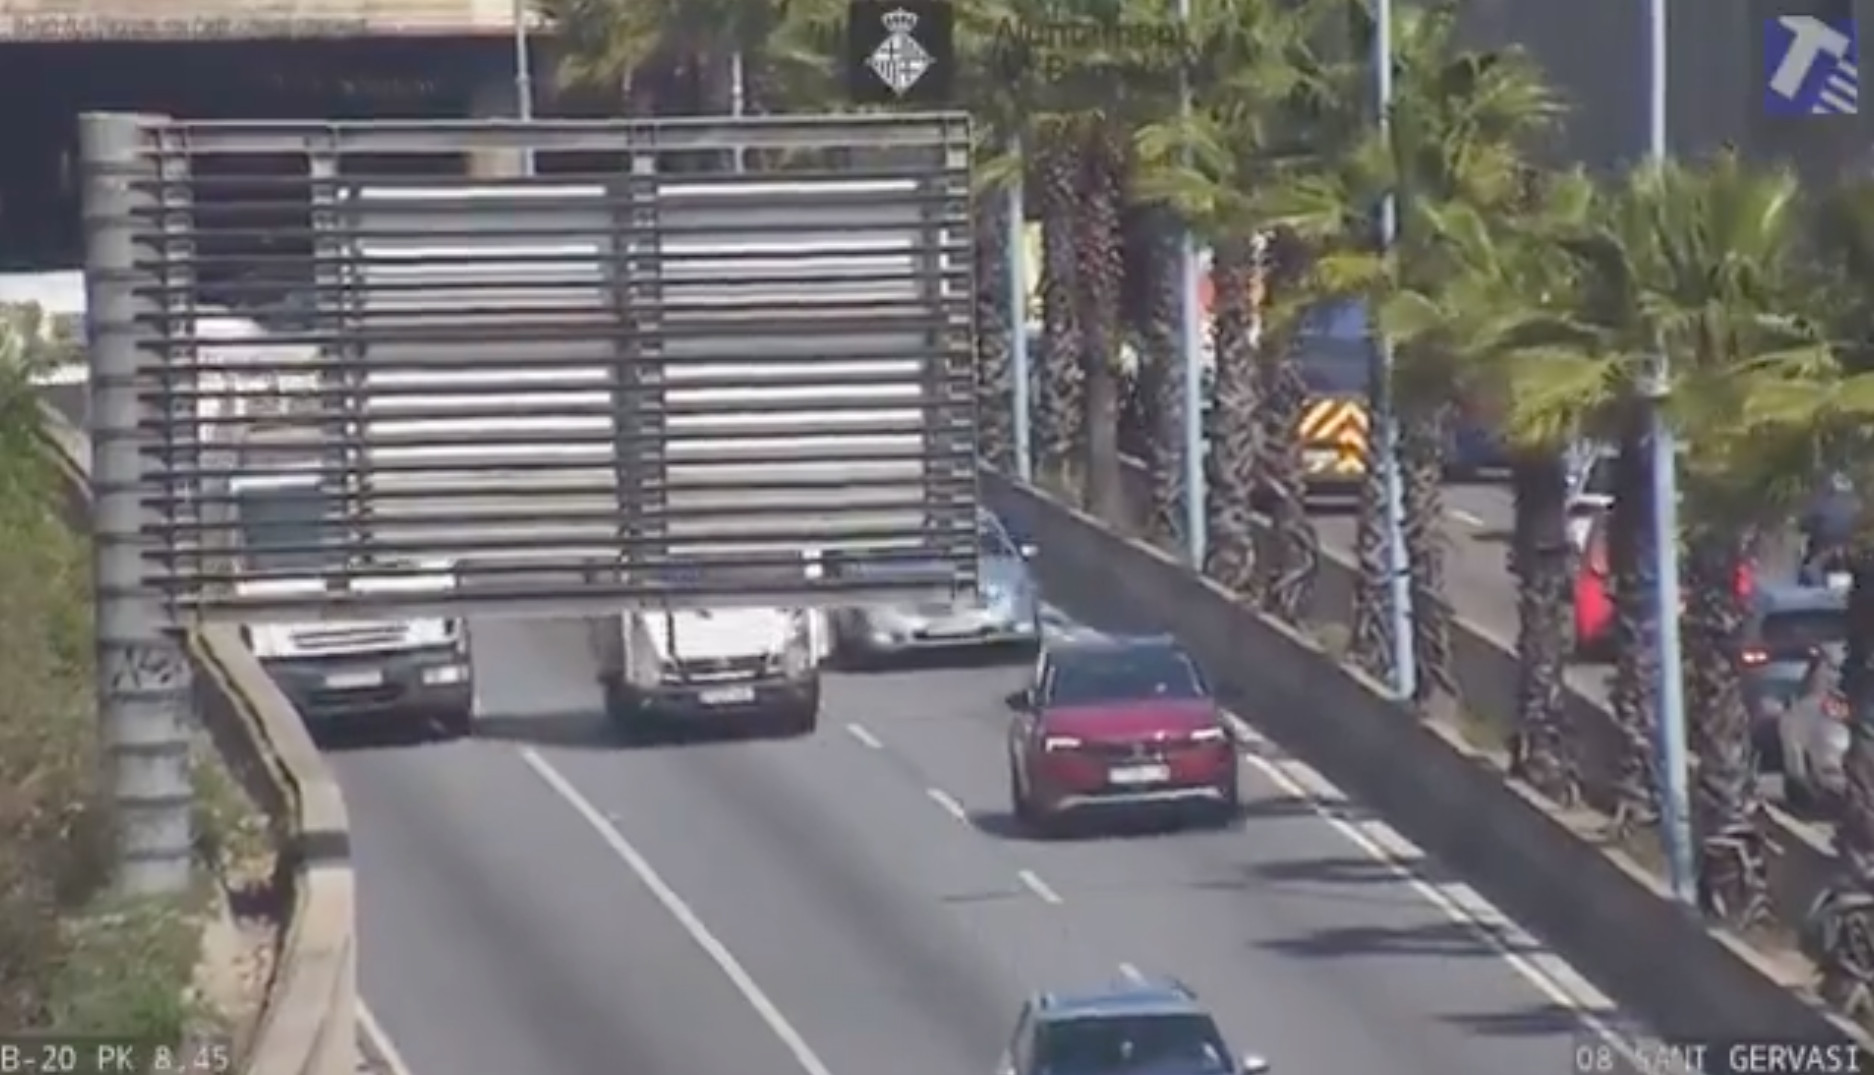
x=614 y=386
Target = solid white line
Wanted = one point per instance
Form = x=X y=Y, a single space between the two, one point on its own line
x=1546 y=971
x=1131 y=973
x=949 y=804
x=380 y=1041
x=718 y=952
x=1033 y=882
x=1467 y=518
x=860 y=732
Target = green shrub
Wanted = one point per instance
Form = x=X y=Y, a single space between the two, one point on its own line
x=69 y=957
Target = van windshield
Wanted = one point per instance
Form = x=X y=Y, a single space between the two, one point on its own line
x=278 y=525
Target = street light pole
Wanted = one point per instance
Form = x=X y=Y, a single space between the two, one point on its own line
x=523 y=80
x=1675 y=790
x=1398 y=567
x=1190 y=343
x=1017 y=225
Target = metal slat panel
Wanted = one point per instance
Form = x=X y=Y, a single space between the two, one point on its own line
x=618 y=390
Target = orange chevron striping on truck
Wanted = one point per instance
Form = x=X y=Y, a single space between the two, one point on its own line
x=1333 y=435
x=1335 y=421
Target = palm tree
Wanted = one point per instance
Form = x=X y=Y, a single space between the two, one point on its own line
x=1722 y=287
x=673 y=56
x=1699 y=265
x=1225 y=168
x=1495 y=268
x=1584 y=354
x=1229 y=424
x=1462 y=130
x=1160 y=376
x=1840 y=937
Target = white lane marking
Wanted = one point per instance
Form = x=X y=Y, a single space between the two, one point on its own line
x=687 y=918
x=948 y=803
x=1547 y=972
x=1042 y=890
x=380 y=1041
x=1131 y=973
x=863 y=735
x=1467 y=518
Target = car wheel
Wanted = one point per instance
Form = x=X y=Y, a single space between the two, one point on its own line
x=633 y=724
x=1018 y=799
x=457 y=723
x=803 y=718
x=1226 y=812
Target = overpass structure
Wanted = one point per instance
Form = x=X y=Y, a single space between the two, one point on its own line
x=55 y=21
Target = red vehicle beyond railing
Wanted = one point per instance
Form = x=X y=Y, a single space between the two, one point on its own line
x=1594 y=584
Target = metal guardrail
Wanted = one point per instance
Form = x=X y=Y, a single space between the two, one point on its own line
x=626 y=386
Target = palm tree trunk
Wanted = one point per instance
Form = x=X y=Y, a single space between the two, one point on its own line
x=995 y=415
x=1291 y=558
x=1161 y=368
x=1634 y=691
x=1061 y=410
x=1423 y=442
x=1840 y=931
x=1727 y=807
x=1099 y=271
x=1230 y=424
x=1542 y=752
x=1370 y=646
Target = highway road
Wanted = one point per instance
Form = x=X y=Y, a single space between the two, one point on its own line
x=1477 y=558
x=541 y=899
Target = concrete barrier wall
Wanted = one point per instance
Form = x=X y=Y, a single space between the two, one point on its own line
x=308 y=1026
x=1609 y=918
x=1801 y=859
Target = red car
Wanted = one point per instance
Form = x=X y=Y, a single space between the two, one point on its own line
x=1594 y=586
x=1119 y=724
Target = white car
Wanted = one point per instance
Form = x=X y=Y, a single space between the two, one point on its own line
x=1813 y=732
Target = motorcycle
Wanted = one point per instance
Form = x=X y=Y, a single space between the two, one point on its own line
x=1828 y=566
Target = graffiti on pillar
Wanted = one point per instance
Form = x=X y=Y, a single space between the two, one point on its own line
x=141 y=666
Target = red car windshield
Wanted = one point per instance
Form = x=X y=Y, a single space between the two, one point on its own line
x=1094 y=678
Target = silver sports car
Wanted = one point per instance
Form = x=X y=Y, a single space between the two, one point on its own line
x=1008 y=612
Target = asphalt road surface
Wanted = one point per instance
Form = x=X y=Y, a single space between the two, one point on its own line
x=540 y=899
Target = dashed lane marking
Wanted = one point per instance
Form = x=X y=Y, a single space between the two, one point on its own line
x=948 y=803
x=864 y=736
x=686 y=917
x=1043 y=891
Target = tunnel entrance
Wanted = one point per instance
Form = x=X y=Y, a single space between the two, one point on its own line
x=47 y=86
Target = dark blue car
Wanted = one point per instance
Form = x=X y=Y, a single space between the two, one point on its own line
x=1134 y=1028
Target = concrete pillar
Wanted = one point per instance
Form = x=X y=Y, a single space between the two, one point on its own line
x=494 y=99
